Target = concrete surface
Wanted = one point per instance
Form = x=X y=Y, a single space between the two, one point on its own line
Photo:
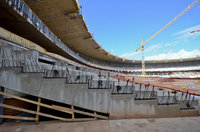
x=118 y=106
x=187 y=124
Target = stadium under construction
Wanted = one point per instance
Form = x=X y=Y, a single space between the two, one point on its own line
x=53 y=71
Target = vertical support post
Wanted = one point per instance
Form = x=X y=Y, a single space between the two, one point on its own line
x=72 y=112
x=1 y=101
x=38 y=110
x=143 y=62
x=95 y=115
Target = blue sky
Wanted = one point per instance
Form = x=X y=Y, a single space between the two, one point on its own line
x=119 y=26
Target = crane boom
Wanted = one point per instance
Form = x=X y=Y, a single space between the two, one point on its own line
x=173 y=20
x=195 y=31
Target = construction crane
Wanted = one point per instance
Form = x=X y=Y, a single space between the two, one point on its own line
x=195 y=31
x=163 y=28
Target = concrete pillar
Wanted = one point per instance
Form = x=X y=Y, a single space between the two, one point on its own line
x=1 y=101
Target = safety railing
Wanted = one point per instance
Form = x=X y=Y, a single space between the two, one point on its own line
x=71 y=110
x=100 y=84
x=145 y=94
x=123 y=87
x=12 y=56
x=21 y=7
x=170 y=99
x=188 y=102
x=77 y=79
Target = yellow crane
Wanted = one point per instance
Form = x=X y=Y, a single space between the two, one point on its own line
x=159 y=31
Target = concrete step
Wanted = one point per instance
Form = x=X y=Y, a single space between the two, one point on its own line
x=145 y=95
x=167 y=100
x=12 y=56
x=188 y=104
x=55 y=73
x=122 y=89
x=100 y=100
x=101 y=84
x=77 y=79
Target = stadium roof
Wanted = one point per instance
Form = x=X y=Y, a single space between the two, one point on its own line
x=63 y=18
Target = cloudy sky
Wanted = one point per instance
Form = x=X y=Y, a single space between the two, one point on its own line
x=119 y=26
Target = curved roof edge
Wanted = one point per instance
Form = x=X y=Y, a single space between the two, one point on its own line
x=131 y=60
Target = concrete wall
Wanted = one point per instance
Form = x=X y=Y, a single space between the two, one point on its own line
x=122 y=106
x=118 y=106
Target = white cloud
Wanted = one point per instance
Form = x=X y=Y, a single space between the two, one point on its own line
x=153 y=47
x=197 y=27
x=128 y=55
x=186 y=34
x=149 y=49
x=174 y=43
x=181 y=38
x=112 y=50
x=178 y=55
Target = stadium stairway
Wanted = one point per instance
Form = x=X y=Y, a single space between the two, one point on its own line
x=21 y=71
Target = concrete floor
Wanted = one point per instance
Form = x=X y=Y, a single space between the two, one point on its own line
x=186 y=124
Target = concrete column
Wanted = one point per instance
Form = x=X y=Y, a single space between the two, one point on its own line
x=1 y=101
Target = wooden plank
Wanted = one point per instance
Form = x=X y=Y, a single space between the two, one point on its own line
x=61 y=108
x=73 y=112
x=32 y=112
x=36 y=103
x=17 y=117
x=95 y=115
x=45 y=115
x=81 y=119
x=38 y=110
x=54 y=107
x=90 y=114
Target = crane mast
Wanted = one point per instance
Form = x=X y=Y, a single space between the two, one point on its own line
x=163 y=28
x=143 y=62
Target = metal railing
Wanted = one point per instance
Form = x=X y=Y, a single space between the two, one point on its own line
x=146 y=93
x=100 y=84
x=21 y=7
x=77 y=79
x=188 y=102
x=12 y=56
x=123 y=87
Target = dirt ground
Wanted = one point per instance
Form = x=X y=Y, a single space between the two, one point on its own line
x=186 y=124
